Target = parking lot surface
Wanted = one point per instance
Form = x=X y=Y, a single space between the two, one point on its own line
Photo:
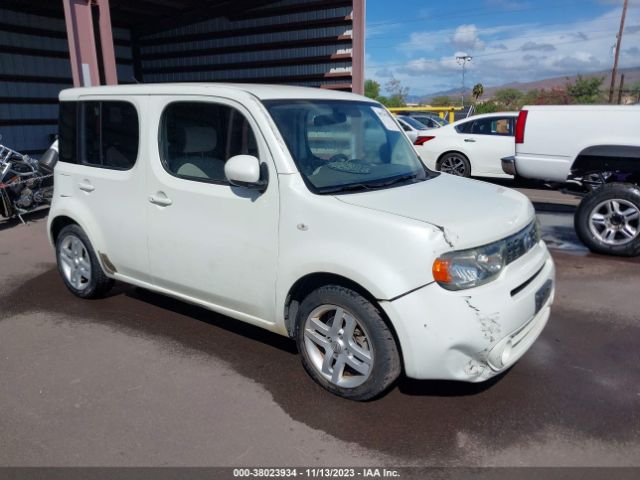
x=140 y=379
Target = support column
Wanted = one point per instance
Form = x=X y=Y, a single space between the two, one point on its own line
x=82 y=43
x=106 y=41
x=357 y=46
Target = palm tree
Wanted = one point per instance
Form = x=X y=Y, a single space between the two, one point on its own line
x=478 y=90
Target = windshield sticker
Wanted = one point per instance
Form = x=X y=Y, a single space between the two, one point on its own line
x=386 y=119
x=349 y=166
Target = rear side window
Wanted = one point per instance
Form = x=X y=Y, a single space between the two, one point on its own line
x=109 y=134
x=100 y=134
x=465 y=127
x=67 y=125
x=196 y=139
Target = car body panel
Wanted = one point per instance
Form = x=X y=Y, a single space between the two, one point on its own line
x=548 y=152
x=483 y=151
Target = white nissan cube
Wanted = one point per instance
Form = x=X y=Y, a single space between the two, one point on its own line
x=306 y=212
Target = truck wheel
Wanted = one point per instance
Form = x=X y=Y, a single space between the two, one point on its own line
x=345 y=344
x=78 y=265
x=455 y=164
x=608 y=220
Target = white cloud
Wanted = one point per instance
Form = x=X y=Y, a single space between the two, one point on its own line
x=466 y=36
x=549 y=51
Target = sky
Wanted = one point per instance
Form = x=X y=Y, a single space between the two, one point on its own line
x=417 y=41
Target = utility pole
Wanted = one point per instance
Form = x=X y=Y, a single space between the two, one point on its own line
x=614 y=72
x=462 y=60
x=620 y=89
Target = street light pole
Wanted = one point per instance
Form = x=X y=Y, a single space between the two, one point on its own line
x=462 y=60
x=614 y=71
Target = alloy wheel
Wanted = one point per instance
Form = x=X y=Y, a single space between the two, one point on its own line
x=338 y=346
x=75 y=262
x=453 y=165
x=615 y=222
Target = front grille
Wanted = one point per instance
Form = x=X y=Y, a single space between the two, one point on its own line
x=520 y=243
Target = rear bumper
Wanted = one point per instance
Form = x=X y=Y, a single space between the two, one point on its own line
x=509 y=165
x=475 y=334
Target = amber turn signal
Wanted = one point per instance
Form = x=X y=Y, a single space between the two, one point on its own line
x=441 y=271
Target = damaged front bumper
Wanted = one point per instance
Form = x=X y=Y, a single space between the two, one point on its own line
x=472 y=335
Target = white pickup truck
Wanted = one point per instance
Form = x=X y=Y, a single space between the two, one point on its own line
x=596 y=148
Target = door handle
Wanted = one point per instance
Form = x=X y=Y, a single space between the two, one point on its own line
x=470 y=140
x=86 y=186
x=160 y=199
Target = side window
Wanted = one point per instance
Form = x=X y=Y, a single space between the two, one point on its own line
x=109 y=134
x=197 y=138
x=405 y=127
x=493 y=126
x=484 y=126
x=504 y=126
x=465 y=127
x=67 y=126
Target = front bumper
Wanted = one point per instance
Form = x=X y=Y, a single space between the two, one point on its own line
x=472 y=335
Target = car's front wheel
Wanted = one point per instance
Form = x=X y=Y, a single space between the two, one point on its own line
x=608 y=220
x=78 y=265
x=455 y=164
x=345 y=344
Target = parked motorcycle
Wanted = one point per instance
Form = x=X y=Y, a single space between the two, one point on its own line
x=26 y=184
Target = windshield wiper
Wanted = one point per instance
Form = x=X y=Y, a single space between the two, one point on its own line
x=344 y=188
x=367 y=186
x=391 y=181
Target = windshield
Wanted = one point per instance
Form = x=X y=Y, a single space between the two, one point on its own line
x=413 y=122
x=346 y=145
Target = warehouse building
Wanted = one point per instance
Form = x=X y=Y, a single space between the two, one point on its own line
x=46 y=46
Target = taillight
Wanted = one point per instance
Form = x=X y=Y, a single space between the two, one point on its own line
x=422 y=140
x=520 y=124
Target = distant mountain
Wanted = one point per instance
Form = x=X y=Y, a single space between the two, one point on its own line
x=631 y=75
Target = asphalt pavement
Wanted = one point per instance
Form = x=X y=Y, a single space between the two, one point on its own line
x=140 y=379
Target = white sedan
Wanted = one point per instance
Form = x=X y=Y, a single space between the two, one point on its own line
x=473 y=146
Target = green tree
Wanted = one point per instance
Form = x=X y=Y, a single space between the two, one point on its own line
x=510 y=98
x=478 y=91
x=634 y=91
x=397 y=93
x=442 y=101
x=486 y=107
x=585 y=90
x=372 y=89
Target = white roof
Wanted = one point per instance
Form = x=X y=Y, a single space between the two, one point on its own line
x=261 y=91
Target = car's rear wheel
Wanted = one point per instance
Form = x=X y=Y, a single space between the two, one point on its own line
x=345 y=344
x=78 y=265
x=455 y=163
x=608 y=220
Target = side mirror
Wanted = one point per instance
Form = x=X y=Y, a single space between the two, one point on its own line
x=245 y=171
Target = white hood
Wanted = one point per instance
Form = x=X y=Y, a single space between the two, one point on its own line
x=470 y=213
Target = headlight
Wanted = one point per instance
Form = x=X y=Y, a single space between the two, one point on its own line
x=477 y=266
x=470 y=268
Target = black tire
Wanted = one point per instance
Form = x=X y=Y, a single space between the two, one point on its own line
x=454 y=163
x=380 y=343
x=593 y=234
x=97 y=284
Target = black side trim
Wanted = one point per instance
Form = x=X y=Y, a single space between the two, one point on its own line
x=410 y=291
x=517 y=290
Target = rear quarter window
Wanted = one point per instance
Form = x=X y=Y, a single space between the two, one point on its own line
x=102 y=134
x=109 y=134
x=67 y=126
